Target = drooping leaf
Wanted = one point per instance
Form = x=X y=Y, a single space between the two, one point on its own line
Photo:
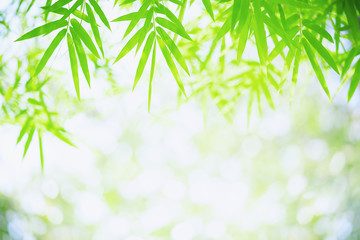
x=50 y=50
x=130 y=44
x=84 y=36
x=127 y=17
x=56 y=5
x=28 y=141
x=44 y=29
x=173 y=49
x=24 y=129
x=73 y=64
x=208 y=8
x=164 y=10
x=354 y=80
x=137 y=17
x=100 y=13
x=349 y=60
x=172 y=27
x=41 y=151
x=352 y=17
x=170 y=64
x=260 y=35
x=94 y=28
x=149 y=16
x=144 y=57
x=322 y=32
x=72 y=9
x=243 y=37
x=321 y=50
x=81 y=54
x=315 y=66
x=152 y=70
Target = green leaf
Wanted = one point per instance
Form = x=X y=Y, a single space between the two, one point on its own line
x=172 y=27
x=173 y=49
x=94 y=28
x=130 y=44
x=61 y=136
x=208 y=8
x=144 y=57
x=243 y=37
x=81 y=55
x=152 y=70
x=44 y=29
x=164 y=10
x=322 y=32
x=295 y=72
x=56 y=5
x=24 y=129
x=76 y=13
x=351 y=15
x=260 y=35
x=28 y=141
x=315 y=66
x=100 y=13
x=171 y=64
x=235 y=13
x=41 y=151
x=84 y=36
x=354 y=80
x=137 y=17
x=321 y=50
x=72 y=9
x=349 y=60
x=49 y=51
x=147 y=23
x=128 y=17
x=243 y=14
x=73 y=64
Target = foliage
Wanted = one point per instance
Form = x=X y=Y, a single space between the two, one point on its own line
x=210 y=48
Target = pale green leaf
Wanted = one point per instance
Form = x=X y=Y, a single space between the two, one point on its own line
x=84 y=36
x=44 y=29
x=73 y=64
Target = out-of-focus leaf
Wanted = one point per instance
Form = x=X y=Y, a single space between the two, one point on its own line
x=28 y=141
x=24 y=129
x=171 y=64
x=315 y=66
x=49 y=51
x=73 y=64
x=144 y=57
x=208 y=8
x=349 y=60
x=41 y=151
x=84 y=36
x=352 y=17
x=44 y=29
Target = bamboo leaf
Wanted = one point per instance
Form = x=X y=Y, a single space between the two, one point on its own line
x=171 y=64
x=173 y=48
x=164 y=10
x=321 y=50
x=322 y=32
x=94 y=28
x=28 y=141
x=81 y=54
x=44 y=29
x=243 y=37
x=147 y=23
x=137 y=17
x=260 y=35
x=56 y=5
x=72 y=9
x=354 y=80
x=172 y=27
x=24 y=129
x=315 y=66
x=100 y=13
x=130 y=44
x=84 y=36
x=73 y=64
x=49 y=51
x=152 y=70
x=41 y=151
x=144 y=57
x=208 y=8
x=127 y=17
x=349 y=60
